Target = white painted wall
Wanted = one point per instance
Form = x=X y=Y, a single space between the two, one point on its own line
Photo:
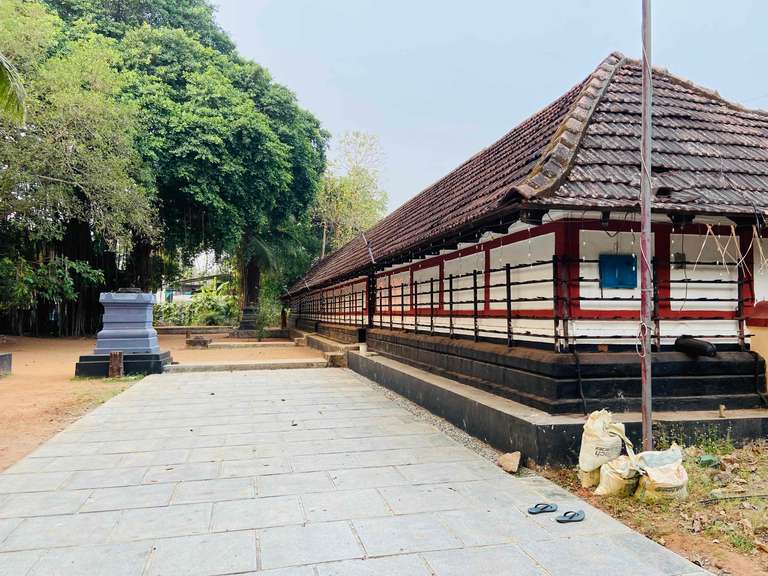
x=463 y=281
x=592 y=244
x=704 y=249
x=537 y=252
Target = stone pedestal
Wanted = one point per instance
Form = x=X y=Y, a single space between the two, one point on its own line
x=127 y=328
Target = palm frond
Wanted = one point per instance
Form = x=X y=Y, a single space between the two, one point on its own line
x=12 y=92
x=263 y=253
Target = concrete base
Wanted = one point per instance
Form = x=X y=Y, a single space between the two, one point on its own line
x=97 y=365
x=542 y=437
x=237 y=366
x=5 y=363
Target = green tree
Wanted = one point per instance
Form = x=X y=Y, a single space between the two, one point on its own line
x=114 y=18
x=149 y=140
x=22 y=49
x=71 y=194
x=350 y=199
x=235 y=158
x=12 y=92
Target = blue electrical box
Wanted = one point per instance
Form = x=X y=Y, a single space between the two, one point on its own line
x=618 y=271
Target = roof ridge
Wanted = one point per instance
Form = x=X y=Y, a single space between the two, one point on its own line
x=560 y=154
x=702 y=90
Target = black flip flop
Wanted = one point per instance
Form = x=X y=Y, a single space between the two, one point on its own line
x=542 y=507
x=571 y=516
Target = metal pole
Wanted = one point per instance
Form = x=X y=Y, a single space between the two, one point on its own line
x=646 y=305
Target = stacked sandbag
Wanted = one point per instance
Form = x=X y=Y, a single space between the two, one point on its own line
x=649 y=475
x=619 y=477
x=662 y=474
x=601 y=443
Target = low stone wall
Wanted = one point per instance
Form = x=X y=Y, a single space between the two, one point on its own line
x=339 y=332
x=192 y=329
x=342 y=333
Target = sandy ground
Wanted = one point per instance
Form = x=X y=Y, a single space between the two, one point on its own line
x=42 y=396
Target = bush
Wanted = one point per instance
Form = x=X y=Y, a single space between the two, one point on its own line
x=212 y=306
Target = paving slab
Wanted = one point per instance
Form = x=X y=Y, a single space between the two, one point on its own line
x=300 y=472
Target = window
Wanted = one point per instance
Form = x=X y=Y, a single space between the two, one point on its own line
x=618 y=271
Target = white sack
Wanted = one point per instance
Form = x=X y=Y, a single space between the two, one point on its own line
x=663 y=474
x=601 y=441
x=618 y=477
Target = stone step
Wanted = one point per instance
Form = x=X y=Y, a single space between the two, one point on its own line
x=336 y=359
x=328 y=345
x=237 y=366
x=235 y=345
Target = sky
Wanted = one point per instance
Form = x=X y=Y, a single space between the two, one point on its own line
x=438 y=80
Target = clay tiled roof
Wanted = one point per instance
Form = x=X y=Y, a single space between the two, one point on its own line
x=709 y=155
x=582 y=151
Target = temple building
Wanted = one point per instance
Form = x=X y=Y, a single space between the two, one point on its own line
x=518 y=272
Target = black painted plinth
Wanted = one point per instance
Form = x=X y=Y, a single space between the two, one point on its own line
x=97 y=365
x=563 y=383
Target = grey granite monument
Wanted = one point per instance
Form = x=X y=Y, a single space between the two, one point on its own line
x=127 y=328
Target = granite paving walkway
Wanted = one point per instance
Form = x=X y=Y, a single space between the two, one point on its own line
x=296 y=472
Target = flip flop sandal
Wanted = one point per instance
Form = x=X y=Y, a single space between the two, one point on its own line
x=571 y=516
x=541 y=508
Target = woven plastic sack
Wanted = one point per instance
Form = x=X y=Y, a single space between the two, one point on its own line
x=589 y=479
x=663 y=474
x=618 y=477
x=601 y=441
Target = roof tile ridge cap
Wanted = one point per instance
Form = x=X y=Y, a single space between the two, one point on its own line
x=708 y=92
x=560 y=154
x=701 y=90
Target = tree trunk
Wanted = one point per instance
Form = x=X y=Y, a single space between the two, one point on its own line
x=250 y=290
x=139 y=272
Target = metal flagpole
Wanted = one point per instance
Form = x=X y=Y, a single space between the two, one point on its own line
x=646 y=287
